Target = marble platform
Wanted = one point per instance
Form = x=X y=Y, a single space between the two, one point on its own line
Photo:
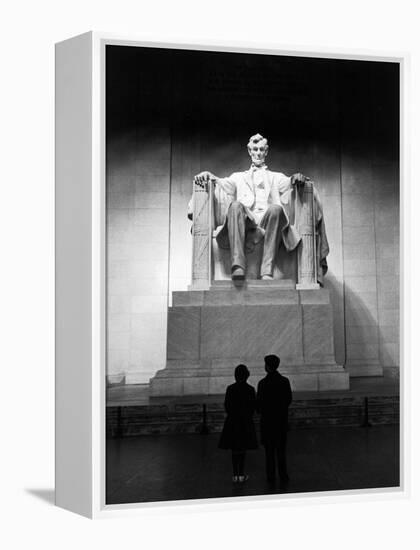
x=212 y=331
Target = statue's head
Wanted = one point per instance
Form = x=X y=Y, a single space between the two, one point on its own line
x=272 y=363
x=257 y=149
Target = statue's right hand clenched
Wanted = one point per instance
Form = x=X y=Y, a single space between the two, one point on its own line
x=203 y=178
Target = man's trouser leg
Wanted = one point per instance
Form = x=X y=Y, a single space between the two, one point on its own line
x=270 y=462
x=281 y=456
x=236 y=219
x=272 y=222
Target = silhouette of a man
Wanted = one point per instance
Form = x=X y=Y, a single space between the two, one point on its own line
x=274 y=396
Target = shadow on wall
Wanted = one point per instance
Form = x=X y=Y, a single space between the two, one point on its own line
x=335 y=287
x=363 y=350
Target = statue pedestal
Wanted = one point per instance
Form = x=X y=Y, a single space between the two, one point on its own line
x=212 y=331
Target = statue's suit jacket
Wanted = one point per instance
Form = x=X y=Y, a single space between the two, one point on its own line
x=239 y=186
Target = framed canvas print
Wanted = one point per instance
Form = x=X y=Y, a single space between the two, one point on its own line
x=228 y=274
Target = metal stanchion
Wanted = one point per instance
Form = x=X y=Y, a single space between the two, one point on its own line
x=204 y=430
x=119 y=428
x=366 y=423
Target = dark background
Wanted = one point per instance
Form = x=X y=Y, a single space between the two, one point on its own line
x=227 y=94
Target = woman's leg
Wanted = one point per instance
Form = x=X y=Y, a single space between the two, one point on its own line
x=235 y=462
x=241 y=462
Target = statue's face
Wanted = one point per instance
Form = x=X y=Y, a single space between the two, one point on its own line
x=258 y=152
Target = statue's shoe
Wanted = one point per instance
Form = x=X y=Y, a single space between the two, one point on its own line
x=267 y=278
x=238 y=274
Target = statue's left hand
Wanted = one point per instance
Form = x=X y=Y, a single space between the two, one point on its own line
x=299 y=179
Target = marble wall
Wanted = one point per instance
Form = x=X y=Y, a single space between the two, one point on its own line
x=370 y=207
x=163 y=127
x=138 y=219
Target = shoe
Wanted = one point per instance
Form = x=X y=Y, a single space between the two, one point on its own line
x=242 y=479
x=238 y=274
x=267 y=278
x=235 y=479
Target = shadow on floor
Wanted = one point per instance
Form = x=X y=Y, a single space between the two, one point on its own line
x=47 y=495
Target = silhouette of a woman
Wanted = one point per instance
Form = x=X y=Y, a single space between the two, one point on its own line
x=238 y=432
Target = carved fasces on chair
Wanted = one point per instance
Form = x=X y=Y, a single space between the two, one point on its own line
x=305 y=224
x=202 y=234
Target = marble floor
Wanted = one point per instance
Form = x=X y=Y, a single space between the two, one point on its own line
x=179 y=467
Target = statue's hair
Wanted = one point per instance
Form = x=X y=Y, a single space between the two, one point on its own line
x=256 y=139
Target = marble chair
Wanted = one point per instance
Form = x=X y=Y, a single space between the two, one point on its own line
x=211 y=264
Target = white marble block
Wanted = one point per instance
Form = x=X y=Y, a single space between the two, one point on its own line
x=212 y=331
